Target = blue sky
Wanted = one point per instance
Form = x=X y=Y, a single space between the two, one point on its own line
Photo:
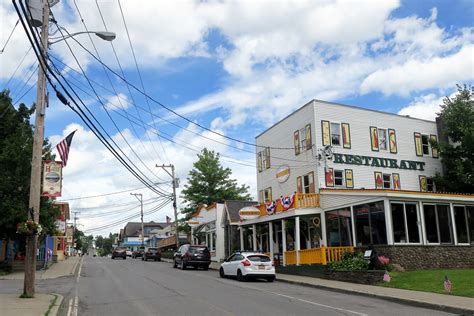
x=236 y=68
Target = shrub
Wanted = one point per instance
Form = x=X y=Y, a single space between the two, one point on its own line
x=349 y=262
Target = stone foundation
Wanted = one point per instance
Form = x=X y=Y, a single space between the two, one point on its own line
x=360 y=277
x=428 y=257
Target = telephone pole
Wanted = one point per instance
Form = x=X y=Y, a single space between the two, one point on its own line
x=175 y=185
x=141 y=211
x=36 y=163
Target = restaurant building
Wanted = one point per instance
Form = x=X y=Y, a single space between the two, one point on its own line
x=333 y=177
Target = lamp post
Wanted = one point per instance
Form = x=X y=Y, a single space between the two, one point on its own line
x=38 y=139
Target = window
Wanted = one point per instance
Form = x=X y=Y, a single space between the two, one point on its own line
x=464 y=220
x=438 y=223
x=425 y=142
x=423 y=145
x=370 y=224
x=382 y=139
x=266 y=195
x=263 y=159
x=308 y=183
x=387 y=181
x=429 y=185
x=302 y=139
x=426 y=184
x=405 y=223
x=335 y=134
x=339 y=228
x=338 y=178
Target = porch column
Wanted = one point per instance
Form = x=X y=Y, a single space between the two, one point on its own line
x=283 y=240
x=297 y=239
x=254 y=237
x=453 y=224
x=388 y=221
x=242 y=246
x=308 y=239
x=192 y=236
x=270 y=238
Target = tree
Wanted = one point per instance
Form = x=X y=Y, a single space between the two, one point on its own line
x=16 y=144
x=104 y=244
x=209 y=182
x=456 y=143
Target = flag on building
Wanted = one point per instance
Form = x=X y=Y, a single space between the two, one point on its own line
x=63 y=148
x=168 y=219
x=447 y=284
x=387 y=277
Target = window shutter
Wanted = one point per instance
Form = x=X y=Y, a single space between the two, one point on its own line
x=297 y=142
x=299 y=184
x=259 y=161
x=374 y=138
x=378 y=180
x=325 y=133
x=346 y=135
x=311 y=182
x=349 y=178
x=434 y=150
x=262 y=196
x=267 y=157
x=418 y=145
x=269 y=191
x=309 y=143
x=392 y=140
x=329 y=177
x=423 y=184
x=396 y=181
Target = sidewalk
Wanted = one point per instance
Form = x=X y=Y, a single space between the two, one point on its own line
x=62 y=268
x=12 y=304
x=449 y=303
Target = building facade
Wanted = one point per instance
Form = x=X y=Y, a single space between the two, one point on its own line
x=331 y=176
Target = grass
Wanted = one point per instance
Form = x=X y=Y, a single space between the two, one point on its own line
x=462 y=281
x=53 y=302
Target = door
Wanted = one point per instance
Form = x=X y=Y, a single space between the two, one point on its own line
x=179 y=255
x=226 y=264
x=233 y=265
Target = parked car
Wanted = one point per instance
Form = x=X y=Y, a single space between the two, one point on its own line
x=129 y=253
x=245 y=265
x=119 y=253
x=151 y=253
x=192 y=255
x=138 y=253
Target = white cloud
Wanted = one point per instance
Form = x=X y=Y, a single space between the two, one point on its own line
x=425 y=107
x=118 y=102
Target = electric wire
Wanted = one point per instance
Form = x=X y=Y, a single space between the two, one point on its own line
x=8 y=39
x=26 y=83
x=18 y=66
x=116 y=212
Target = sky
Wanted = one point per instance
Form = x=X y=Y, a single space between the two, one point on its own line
x=232 y=67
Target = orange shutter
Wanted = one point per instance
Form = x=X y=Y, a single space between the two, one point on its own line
x=423 y=184
x=349 y=178
x=396 y=181
x=309 y=142
x=329 y=177
x=434 y=150
x=392 y=139
x=299 y=184
x=346 y=135
x=311 y=182
x=374 y=138
x=378 y=180
x=297 y=142
x=325 y=133
x=418 y=145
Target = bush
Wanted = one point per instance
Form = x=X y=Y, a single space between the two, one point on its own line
x=5 y=268
x=167 y=254
x=349 y=262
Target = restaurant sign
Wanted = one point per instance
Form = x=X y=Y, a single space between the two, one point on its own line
x=378 y=162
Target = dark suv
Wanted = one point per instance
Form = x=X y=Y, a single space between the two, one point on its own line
x=119 y=253
x=192 y=255
x=138 y=253
x=151 y=253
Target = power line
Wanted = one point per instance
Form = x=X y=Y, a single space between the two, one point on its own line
x=101 y=195
x=18 y=66
x=26 y=83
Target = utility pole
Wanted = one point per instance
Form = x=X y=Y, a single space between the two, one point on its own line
x=175 y=206
x=141 y=211
x=36 y=163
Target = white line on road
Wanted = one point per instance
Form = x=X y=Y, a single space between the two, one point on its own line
x=74 y=306
x=69 y=307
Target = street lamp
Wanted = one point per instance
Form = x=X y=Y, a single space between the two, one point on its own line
x=106 y=36
x=42 y=20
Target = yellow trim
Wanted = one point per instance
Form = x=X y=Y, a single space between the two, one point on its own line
x=283 y=173
x=468 y=195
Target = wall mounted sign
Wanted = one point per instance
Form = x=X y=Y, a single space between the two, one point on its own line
x=52 y=178
x=378 y=162
x=249 y=212
x=283 y=173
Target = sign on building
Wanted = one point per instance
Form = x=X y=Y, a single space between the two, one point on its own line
x=52 y=178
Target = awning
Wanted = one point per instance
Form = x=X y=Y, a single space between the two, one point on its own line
x=133 y=243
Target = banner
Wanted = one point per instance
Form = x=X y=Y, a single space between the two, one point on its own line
x=52 y=178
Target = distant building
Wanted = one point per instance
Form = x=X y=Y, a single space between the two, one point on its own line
x=131 y=235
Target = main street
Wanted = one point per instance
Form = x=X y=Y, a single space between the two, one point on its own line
x=133 y=287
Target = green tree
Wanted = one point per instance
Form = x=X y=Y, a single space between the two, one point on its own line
x=457 y=153
x=209 y=182
x=16 y=143
x=104 y=244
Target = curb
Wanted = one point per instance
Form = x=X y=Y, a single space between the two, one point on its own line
x=55 y=305
x=445 y=308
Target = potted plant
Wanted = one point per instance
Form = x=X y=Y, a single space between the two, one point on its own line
x=29 y=228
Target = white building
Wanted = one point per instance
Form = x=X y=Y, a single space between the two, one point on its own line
x=344 y=176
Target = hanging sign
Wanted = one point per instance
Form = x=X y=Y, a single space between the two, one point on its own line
x=249 y=212
x=52 y=178
x=193 y=223
x=283 y=173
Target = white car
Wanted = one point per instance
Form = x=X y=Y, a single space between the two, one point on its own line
x=129 y=253
x=244 y=265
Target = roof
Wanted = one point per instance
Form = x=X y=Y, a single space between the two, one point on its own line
x=134 y=228
x=233 y=207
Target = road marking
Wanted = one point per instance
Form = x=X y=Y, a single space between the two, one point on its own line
x=69 y=307
x=74 y=305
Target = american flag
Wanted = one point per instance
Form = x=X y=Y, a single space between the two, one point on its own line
x=63 y=148
x=387 y=277
x=447 y=284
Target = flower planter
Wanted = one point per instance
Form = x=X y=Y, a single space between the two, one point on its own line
x=360 y=277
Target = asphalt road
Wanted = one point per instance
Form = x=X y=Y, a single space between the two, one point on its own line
x=133 y=287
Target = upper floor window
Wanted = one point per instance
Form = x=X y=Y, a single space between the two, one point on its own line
x=263 y=159
x=336 y=134
x=266 y=195
x=302 y=139
x=383 y=139
x=305 y=183
x=423 y=145
x=427 y=184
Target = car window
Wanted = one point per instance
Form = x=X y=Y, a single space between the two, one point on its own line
x=196 y=249
x=231 y=258
x=180 y=250
x=238 y=257
x=259 y=258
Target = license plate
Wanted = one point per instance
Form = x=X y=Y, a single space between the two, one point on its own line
x=261 y=267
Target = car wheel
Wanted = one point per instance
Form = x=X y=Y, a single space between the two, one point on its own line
x=124 y=258
x=271 y=279
x=221 y=273
x=174 y=264
x=205 y=268
x=240 y=277
x=143 y=258
x=183 y=265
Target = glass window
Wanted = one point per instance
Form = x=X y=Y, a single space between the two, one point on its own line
x=338 y=177
x=308 y=183
x=411 y=215
x=387 y=181
x=431 y=223
x=335 y=134
x=303 y=139
x=339 y=228
x=444 y=224
x=470 y=218
x=429 y=185
x=398 y=222
x=425 y=142
x=460 y=218
x=438 y=223
x=382 y=139
x=370 y=224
